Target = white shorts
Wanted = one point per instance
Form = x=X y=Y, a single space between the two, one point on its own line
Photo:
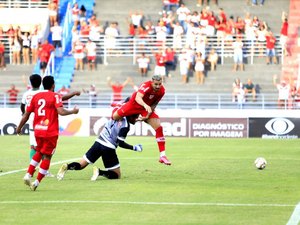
x=160 y=70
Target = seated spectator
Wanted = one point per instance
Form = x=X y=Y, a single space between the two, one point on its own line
x=2 y=56
x=12 y=95
x=249 y=88
x=236 y=87
x=143 y=64
x=170 y=5
x=212 y=58
x=254 y=2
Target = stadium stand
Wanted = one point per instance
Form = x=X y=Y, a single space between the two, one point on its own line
x=217 y=83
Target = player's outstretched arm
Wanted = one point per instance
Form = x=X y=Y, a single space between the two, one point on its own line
x=64 y=112
x=70 y=95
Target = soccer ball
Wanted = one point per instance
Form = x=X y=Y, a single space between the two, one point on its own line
x=260 y=163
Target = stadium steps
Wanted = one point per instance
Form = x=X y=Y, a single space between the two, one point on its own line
x=219 y=81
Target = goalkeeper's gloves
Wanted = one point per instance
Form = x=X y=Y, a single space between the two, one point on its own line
x=138 y=148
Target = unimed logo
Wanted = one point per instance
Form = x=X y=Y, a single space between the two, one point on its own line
x=279 y=126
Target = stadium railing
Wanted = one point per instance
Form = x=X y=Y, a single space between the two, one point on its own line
x=128 y=46
x=24 y=4
x=174 y=101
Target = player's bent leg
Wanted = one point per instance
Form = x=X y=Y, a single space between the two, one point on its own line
x=109 y=174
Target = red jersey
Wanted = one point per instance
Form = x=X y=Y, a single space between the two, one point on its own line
x=117 y=90
x=284 y=28
x=270 y=42
x=2 y=49
x=13 y=94
x=44 y=105
x=160 y=60
x=150 y=96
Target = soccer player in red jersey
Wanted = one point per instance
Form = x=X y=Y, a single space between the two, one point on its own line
x=46 y=106
x=143 y=102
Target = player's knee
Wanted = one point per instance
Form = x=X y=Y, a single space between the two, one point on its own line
x=113 y=175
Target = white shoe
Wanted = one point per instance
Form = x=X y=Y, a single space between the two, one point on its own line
x=34 y=185
x=48 y=174
x=27 y=179
x=61 y=173
x=95 y=173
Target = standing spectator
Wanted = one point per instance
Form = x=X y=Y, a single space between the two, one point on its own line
x=26 y=48
x=46 y=105
x=238 y=54
x=92 y=95
x=184 y=66
x=177 y=36
x=78 y=52
x=212 y=58
x=52 y=7
x=205 y=2
x=160 y=64
x=111 y=34
x=2 y=56
x=170 y=61
x=16 y=50
x=57 y=33
x=143 y=64
x=199 y=68
x=144 y=102
x=284 y=33
x=44 y=53
x=34 y=46
x=117 y=89
x=284 y=90
x=271 y=54
x=249 y=88
x=136 y=18
x=90 y=49
x=75 y=14
x=12 y=94
x=261 y=38
x=161 y=34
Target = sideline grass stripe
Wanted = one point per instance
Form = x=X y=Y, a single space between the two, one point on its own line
x=147 y=203
x=295 y=217
x=20 y=170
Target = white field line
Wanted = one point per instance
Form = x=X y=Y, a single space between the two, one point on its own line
x=146 y=203
x=295 y=217
x=20 y=170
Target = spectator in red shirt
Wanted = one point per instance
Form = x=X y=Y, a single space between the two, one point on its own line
x=117 y=89
x=284 y=33
x=2 y=56
x=46 y=106
x=44 y=53
x=12 y=94
x=270 y=44
x=170 y=61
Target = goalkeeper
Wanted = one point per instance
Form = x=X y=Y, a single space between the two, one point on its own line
x=112 y=135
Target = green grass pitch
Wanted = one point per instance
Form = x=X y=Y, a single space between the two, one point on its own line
x=210 y=182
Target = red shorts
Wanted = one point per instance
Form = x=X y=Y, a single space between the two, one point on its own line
x=130 y=108
x=46 y=145
x=91 y=58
